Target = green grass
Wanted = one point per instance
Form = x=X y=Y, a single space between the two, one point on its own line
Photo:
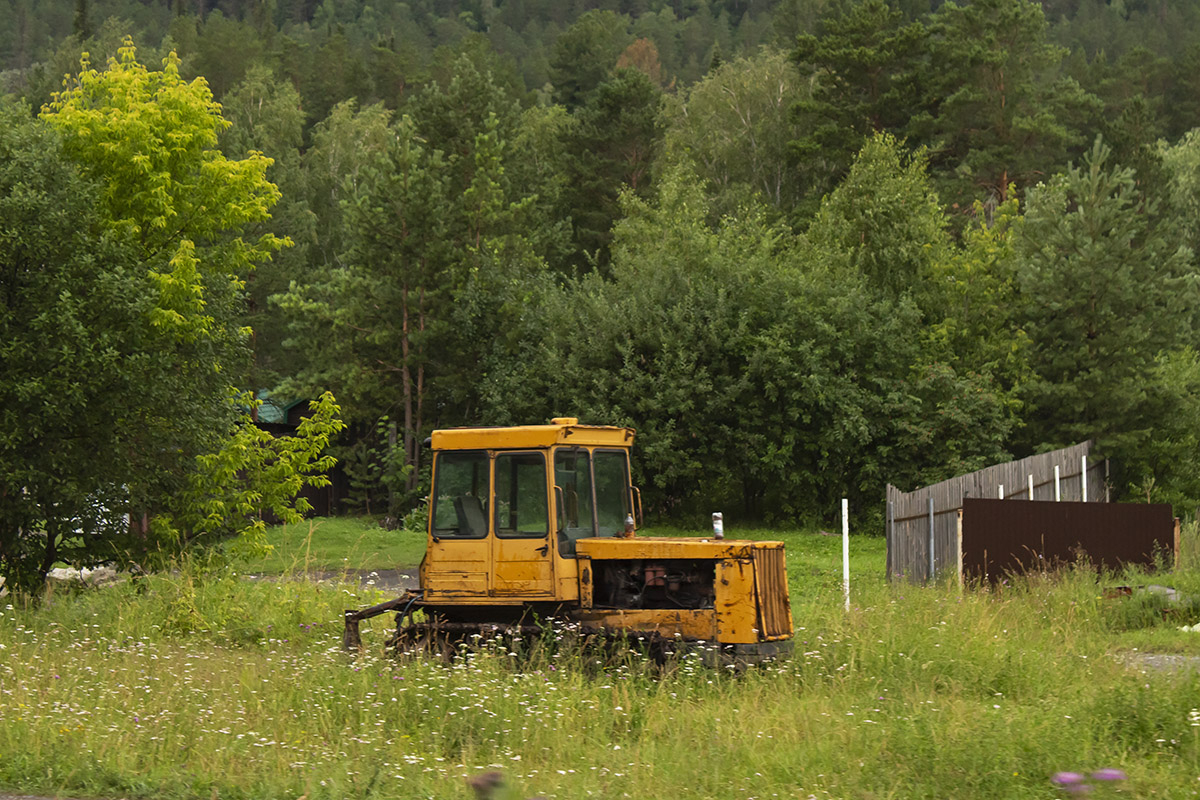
x=332 y=544
x=193 y=685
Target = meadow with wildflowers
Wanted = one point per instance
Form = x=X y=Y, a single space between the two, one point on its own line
x=200 y=684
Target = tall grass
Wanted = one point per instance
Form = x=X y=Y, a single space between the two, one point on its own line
x=334 y=544
x=195 y=686
x=1189 y=546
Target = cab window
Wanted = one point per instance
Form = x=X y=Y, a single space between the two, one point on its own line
x=461 y=495
x=522 y=510
x=573 y=474
x=612 y=491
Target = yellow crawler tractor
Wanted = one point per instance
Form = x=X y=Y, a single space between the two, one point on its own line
x=538 y=522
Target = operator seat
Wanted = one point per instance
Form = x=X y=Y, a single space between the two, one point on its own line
x=471 y=519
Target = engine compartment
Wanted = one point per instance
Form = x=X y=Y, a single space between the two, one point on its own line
x=655 y=583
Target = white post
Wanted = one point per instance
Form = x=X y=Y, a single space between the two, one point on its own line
x=1083 y=480
x=1031 y=486
x=931 y=553
x=1002 y=491
x=1057 y=487
x=846 y=550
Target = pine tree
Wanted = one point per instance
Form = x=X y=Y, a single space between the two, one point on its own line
x=860 y=65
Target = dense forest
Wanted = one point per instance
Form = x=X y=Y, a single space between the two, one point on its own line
x=805 y=247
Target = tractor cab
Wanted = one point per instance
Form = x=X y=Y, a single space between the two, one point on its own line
x=509 y=505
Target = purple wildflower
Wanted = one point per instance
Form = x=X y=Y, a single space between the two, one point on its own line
x=1109 y=774
x=1067 y=778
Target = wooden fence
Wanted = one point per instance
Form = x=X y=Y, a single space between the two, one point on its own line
x=918 y=553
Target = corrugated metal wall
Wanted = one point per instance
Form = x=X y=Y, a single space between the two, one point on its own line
x=907 y=520
x=1001 y=537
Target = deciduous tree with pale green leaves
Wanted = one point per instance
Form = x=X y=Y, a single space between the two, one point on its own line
x=735 y=125
x=122 y=277
x=886 y=217
x=150 y=140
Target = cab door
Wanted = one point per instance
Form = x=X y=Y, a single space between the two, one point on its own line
x=521 y=564
x=457 y=559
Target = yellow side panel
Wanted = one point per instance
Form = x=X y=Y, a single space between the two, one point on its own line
x=456 y=568
x=456 y=584
x=522 y=568
x=737 y=607
x=531 y=436
x=567 y=575
x=689 y=623
x=664 y=547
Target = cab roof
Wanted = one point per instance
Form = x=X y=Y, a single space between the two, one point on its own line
x=561 y=430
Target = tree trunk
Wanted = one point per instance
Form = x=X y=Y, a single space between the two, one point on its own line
x=392 y=520
x=406 y=376
x=414 y=477
x=51 y=554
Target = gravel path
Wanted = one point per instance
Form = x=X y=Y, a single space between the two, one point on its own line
x=386 y=580
x=1161 y=662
